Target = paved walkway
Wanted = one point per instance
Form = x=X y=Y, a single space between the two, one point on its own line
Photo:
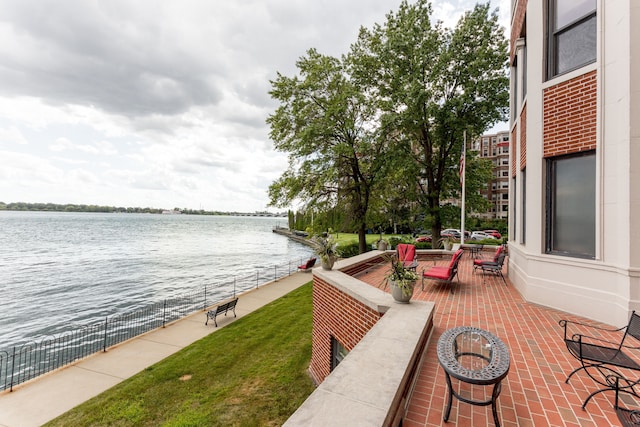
x=534 y=392
x=46 y=397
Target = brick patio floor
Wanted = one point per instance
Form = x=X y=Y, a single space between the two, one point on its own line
x=534 y=392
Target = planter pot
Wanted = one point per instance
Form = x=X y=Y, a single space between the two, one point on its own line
x=399 y=294
x=327 y=264
x=382 y=246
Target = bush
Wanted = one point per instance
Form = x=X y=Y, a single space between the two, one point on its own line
x=393 y=242
x=486 y=242
x=422 y=245
x=349 y=250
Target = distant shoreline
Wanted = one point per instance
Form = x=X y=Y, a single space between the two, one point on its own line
x=53 y=207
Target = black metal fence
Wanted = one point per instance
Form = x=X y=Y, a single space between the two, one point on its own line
x=29 y=360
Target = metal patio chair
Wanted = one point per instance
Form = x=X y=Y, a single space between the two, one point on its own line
x=602 y=358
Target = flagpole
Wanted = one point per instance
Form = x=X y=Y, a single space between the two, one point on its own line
x=463 y=173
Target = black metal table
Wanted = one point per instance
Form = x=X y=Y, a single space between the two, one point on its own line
x=474 y=356
x=474 y=248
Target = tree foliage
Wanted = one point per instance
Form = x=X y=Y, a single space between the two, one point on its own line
x=327 y=126
x=379 y=132
x=431 y=85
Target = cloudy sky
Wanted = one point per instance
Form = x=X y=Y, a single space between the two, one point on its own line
x=159 y=104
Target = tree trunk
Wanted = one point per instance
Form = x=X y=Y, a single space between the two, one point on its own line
x=362 y=238
x=436 y=221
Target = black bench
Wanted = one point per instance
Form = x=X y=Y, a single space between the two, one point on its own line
x=219 y=309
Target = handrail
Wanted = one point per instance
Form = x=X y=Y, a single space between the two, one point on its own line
x=25 y=361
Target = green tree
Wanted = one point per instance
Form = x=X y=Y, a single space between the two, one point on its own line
x=431 y=84
x=327 y=126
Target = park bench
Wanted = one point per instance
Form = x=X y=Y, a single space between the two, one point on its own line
x=220 y=308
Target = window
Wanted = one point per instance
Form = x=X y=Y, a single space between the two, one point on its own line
x=338 y=352
x=571 y=205
x=572 y=35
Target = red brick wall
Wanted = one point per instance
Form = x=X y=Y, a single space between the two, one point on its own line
x=570 y=116
x=523 y=137
x=516 y=27
x=339 y=315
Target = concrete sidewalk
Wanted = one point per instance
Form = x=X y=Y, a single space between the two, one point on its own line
x=46 y=397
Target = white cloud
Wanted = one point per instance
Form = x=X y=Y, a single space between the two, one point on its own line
x=12 y=136
x=158 y=104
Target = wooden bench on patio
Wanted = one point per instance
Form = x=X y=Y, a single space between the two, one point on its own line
x=219 y=309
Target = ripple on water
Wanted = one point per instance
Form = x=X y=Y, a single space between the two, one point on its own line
x=63 y=269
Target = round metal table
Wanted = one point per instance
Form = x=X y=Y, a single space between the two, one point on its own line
x=474 y=356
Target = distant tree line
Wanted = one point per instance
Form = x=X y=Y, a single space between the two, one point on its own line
x=69 y=207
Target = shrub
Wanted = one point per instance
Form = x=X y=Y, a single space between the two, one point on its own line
x=393 y=242
x=349 y=250
x=422 y=245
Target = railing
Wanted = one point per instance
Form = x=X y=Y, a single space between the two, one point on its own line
x=28 y=360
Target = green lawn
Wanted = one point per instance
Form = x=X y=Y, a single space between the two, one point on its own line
x=252 y=372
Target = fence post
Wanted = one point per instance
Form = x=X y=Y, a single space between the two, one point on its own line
x=275 y=272
x=13 y=367
x=257 y=278
x=104 y=344
x=164 y=313
x=204 y=304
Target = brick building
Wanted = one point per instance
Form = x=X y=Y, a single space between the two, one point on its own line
x=495 y=147
x=575 y=156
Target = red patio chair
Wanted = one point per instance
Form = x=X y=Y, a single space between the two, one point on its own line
x=308 y=265
x=444 y=274
x=407 y=255
x=493 y=266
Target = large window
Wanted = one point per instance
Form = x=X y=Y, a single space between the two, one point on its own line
x=571 y=205
x=572 y=35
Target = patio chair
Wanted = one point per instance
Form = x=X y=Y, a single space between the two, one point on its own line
x=444 y=274
x=628 y=417
x=601 y=357
x=308 y=265
x=493 y=266
x=407 y=255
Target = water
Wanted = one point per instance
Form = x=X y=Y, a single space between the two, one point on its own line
x=62 y=270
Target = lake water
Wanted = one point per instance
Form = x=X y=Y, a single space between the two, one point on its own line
x=62 y=270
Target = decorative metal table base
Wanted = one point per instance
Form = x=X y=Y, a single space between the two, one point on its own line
x=473 y=356
x=494 y=396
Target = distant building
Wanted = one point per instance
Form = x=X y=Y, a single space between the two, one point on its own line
x=574 y=223
x=495 y=148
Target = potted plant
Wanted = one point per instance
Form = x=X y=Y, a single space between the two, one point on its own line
x=447 y=243
x=401 y=281
x=382 y=245
x=327 y=250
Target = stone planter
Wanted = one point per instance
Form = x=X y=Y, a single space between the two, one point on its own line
x=400 y=295
x=327 y=263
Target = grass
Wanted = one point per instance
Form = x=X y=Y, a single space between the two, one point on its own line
x=252 y=372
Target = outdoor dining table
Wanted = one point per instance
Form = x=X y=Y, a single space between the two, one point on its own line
x=474 y=356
